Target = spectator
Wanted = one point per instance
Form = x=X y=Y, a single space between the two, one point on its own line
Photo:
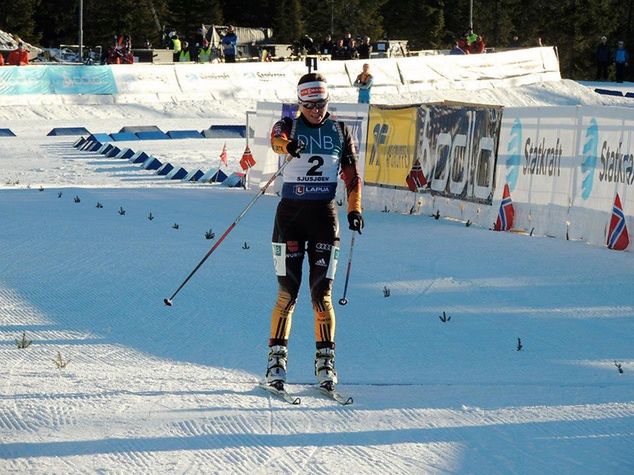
x=204 y=55
x=350 y=51
x=621 y=61
x=478 y=46
x=463 y=45
x=230 y=45
x=457 y=49
x=339 y=51
x=327 y=46
x=1 y=59
x=364 y=84
x=193 y=51
x=18 y=57
x=515 y=42
x=126 y=56
x=347 y=39
x=307 y=45
x=183 y=55
x=147 y=44
x=365 y=48
x=538 y=42
x=470 y=36
x=604 y=58
x=176 y=46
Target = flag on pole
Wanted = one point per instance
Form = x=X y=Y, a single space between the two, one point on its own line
x=506 y=213
x=223 y=154
x=618 y=238
x=416 y=178
x=247 y=160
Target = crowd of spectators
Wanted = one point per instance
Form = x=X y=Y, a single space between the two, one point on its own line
x=605 y=57
x=341 y=49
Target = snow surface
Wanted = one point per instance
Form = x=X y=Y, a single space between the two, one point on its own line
x=152 y=389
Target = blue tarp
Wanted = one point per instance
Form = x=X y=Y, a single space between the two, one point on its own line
x=100 y=137
x=184 y=134
x=68 y=131
x=165 y=169
x=123 y=136
x=6 y=133
x=127 y=153
x=94 y=147
x=608 y=92
x=133 y=129
x=225 y=132
x=139 y=157
x=79 y=142
x=106 y=149
x=152 y=135
x=194 y=176
x=112 y=152
x=178 y=174
x=152 y=163
x=234 y=180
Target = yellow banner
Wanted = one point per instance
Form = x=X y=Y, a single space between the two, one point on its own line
x=390 y=146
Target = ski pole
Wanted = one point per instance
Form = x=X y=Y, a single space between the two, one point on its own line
x=168 y=301
x=343 y=300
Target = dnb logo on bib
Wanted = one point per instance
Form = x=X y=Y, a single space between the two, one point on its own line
x=590 y=147
x=514 y=148
x=299 y=189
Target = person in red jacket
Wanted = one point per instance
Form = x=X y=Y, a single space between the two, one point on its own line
x=19 y=57
x=1 y=59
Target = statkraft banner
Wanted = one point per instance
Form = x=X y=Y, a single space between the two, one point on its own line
x=391 y=145
x=456 y=148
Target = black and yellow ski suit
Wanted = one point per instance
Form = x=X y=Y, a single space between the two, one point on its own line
x=306 y=220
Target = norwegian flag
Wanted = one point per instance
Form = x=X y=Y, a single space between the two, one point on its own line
x=223 y=154
x=506 y=213
x=415 y=178
x=247 y=160
x=618 y=238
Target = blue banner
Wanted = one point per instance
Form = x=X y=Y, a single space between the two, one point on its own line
x=17 y=80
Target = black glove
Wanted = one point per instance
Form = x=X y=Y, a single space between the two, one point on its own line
x=295 y=147
x=355 y=221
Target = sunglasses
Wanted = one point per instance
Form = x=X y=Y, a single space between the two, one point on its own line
x=313 y=105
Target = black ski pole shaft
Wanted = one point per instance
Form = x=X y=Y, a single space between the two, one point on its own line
x=168 y=301
x=343 y=300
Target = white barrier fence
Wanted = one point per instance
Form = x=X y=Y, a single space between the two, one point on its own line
x=564 y=167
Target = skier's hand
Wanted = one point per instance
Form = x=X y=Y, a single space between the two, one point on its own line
x=295 y=148
x=355 y=221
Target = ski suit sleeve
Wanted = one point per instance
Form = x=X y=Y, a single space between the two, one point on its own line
x=350 y=170
x=280 y=135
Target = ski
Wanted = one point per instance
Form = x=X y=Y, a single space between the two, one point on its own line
x=336 y=396
x=281 y=393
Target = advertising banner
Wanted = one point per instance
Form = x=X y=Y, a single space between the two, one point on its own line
x=390 y=145
x=17 y=80
x=456 y=149
x=82 y=79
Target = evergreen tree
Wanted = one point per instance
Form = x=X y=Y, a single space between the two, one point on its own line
x=17 y=18
x=58 y=21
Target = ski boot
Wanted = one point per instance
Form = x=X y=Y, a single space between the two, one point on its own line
x=276 y=368
x=325 y=368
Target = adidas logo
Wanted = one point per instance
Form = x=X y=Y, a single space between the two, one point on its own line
x=321 y=262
